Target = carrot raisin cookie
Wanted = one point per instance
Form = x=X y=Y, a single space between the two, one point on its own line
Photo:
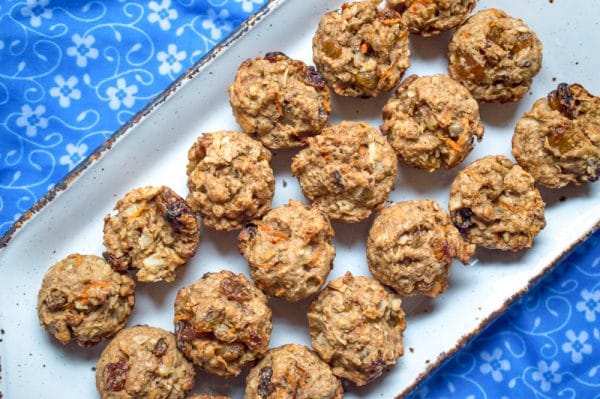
x=495 y=56
x=222 y=323
x=361 y=50
x=558 y=141
x=289 y=250
x=82 y=299
x=411 y=245
x=292 y=371
x=230 y=179
x=432 y=122
x=153 y=231
x=432 y=17
x=495 y=204
x=348 y=170
x=143 y=362
x=356 y=326
x=279 y=100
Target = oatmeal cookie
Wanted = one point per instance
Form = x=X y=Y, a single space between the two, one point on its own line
x=432 y=122
x=230 y=179
x=356 y=326
x=207 y=396
x=361 y=50
x=348 y=170
x=495 y=204
x=279 y=100
x=83 y=300
x=495 y=56
x=558 y=141
x=153 y=231
x=432 y=17
x=289 y=250
x=411 y=245
x=143 y=362
x=292 y=371
x=222 y=323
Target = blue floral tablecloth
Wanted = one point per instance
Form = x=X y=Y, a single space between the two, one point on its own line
x=72 y=72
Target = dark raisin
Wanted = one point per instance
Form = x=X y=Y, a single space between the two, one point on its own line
x=337 y=179
x=56 y=301
x=463 y=221
x=176 y=211
x=119 y=264
x=236 y=289
x=375 y=369
x=562 y=100
x=366 y=49
x=115 y=375
x=160 y=348
x=251 y=229
x=264 y=386
x=313 y=77
x=253 y=339
x=184 y=333
x=273 y=56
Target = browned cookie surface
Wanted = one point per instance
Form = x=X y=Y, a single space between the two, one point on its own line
x=279 y=100
x=558 y=141
x=432 y=17
x=292 y=371
x=289 y=250
x=143 y=362
x=222 y=323
x=230 y=179
x=348 y=170
x=154 y=231
x=83 y=300
x=361 y=50
x=432 y=122
x=495 y=56
x=411 y=246
x=495 y=204
x=356 y=326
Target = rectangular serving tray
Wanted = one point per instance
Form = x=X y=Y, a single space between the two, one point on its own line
x=151 y=150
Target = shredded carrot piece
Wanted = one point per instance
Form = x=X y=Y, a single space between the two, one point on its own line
x=328 y=106
x=78 y=260
x=506 y=206
x=362 y=150
x=180 y=317
x=364 y=48
x=389 y=22
x=142 y=208
x=272 y=231
x=452 y=144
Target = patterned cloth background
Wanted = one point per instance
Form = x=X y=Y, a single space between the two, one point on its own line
x=72 y=72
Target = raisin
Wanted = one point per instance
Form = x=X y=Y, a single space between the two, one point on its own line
x=115 y=375
x=56 y=301
x=288 y=117
x=253 y=339
x=337 y=179
x=119 y=264
x=176 y=211
x=562 y=100
x=313 y=77
x=160 y=348
x=184 y=333
x=463 y=221
x=366 y=49
x=560 y=137
x=236 y=289
x=264 y=386
x=331 y=48
x=375 y=369
x=367 y=79
x=274 y=56
x=251 y=230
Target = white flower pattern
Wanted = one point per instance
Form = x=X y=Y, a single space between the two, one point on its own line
x=494 y=364
x=83 y=49
x=248 y=5
x=36 y=10
x=31 y=119
x=171 y=60
x=121 y=95
x=547 y=375
x=217 y=23
x=75 y=154
x=590 y=304
x=162 y=13
x=577 y=346
x=65 y=91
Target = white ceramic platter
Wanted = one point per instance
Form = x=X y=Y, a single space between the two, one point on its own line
x=151 y=150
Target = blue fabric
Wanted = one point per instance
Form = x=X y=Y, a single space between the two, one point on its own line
x=72 y=72
x=547 y=345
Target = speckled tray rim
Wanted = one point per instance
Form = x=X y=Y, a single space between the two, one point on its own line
x=173 y=88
